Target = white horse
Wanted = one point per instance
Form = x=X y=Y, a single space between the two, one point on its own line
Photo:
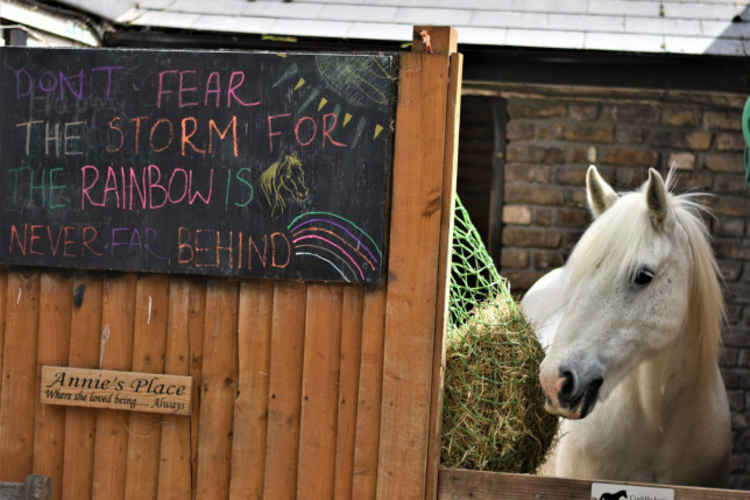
x=631 y=325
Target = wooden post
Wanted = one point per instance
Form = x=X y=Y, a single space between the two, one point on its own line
x=449 y=200
x=418 y=229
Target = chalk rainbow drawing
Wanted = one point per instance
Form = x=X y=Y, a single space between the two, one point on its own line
x=337 y=241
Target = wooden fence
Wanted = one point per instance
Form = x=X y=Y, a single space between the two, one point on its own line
x=307 y=391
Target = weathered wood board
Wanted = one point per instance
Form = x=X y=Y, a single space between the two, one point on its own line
x=117 y=390
x=460 y=484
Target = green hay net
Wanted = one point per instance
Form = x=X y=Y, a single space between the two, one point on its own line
x=474 y=277
x=493 y=415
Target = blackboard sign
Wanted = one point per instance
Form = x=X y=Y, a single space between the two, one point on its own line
x=202 y=162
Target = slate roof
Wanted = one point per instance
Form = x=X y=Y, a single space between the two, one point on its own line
x=719 y=27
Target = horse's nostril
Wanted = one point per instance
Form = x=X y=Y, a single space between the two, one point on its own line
x=596 y=384
x=568 y=385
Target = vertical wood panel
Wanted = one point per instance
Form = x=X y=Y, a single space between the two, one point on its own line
x=149 y=344
x=285 y=386
x=56 y=300
x=175 y=454
x=80 y=423
x=367 y=438
x=115 y=353
x=218 y=388
x=251 y=405
x=3 y=291
x=351 y=353
x=413 y=264
x=19 y=376
x=453 y=113
x=317 y=454
x=196 y=325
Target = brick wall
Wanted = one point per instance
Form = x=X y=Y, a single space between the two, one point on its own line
x=553 y=133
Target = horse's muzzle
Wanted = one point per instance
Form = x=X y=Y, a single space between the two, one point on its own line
x=571 y=393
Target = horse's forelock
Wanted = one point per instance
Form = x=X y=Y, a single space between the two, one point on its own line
x=610 y=245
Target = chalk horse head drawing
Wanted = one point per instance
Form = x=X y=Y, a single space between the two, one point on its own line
x=282 y=181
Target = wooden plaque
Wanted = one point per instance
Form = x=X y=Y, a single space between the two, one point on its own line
x=117 y=390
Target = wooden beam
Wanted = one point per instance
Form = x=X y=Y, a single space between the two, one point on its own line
x=416 y=236
x=450 y=170
x=459 y=484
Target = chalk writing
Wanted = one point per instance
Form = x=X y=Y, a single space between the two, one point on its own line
x=195 y=162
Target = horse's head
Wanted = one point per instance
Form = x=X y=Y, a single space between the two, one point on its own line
x=626 y=290
x=291 y=177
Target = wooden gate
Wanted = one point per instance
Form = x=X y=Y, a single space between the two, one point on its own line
x=302 y=390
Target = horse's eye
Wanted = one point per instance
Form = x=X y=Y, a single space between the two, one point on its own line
x=643 y=276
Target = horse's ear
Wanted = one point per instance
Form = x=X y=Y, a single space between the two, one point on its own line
x=656 y=198
x=599 y=194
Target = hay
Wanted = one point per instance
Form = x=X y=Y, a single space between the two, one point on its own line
x=493 y=413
